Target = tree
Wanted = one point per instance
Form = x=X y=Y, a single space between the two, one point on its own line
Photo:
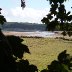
x=58 y=16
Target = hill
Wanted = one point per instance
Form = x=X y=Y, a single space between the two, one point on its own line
x=21 y=27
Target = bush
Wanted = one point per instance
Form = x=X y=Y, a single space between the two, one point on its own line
x=63 y=64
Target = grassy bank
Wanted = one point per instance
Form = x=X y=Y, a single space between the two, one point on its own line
x=45 y=50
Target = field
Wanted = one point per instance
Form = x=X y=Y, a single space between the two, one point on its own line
x=45 y=50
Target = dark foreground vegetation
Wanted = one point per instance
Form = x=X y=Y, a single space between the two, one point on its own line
x=12 y=50
x=63 y=64
x=11 y=53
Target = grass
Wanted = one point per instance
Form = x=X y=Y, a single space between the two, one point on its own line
x=45 y=50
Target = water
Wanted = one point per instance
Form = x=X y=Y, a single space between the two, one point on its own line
x=41 y=34
x=27 y=29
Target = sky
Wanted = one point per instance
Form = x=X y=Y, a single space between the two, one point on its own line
x=34 y=11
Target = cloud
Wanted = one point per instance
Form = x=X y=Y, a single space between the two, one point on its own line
x=4 y=12
x=9 y=19
x=29 y=14
x=26 y=15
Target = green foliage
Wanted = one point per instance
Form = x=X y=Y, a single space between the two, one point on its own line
x=11 y=54
x=56 y=15
x=63 y=64
x=58 y=18
x=2 y=19
x=56 y=1
x=23 y=3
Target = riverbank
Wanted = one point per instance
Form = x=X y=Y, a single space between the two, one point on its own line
x=43 y=34
x=33 y=34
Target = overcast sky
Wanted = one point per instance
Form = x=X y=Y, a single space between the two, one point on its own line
x=34 y=11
